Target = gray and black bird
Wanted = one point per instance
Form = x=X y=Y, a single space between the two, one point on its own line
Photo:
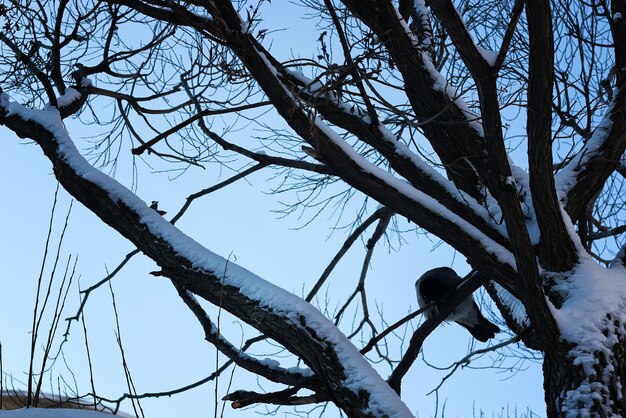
x=436 y=284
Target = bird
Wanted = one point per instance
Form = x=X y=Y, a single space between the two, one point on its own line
x=435 y=285
x=155 y=206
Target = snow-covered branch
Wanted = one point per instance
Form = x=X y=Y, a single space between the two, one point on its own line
x=294 y=323
x=586 y=173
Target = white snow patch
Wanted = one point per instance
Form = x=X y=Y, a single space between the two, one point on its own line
x=566 y=178
x=406 y=28
x=514 y=305
x=299 y=370
x=522 y=185
x=271 y=363
x=54 y=413
x=244 y=27
x=422 y=12
x=617 y=262
x=441 y=84
x=488 y=55
x=86 y=82
x=589 y=294
x=71 y=95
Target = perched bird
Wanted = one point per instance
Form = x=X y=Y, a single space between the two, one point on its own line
x=155 y=206
x=436 y=284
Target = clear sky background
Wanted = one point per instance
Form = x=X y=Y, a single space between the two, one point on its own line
x=163 y=344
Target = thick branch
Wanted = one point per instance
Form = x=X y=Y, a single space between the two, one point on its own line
x=212 y=335
x=451 y=19
x=296 y=325
x=618 y=28
x=400 y=158
x=556 y=249
x=243 y=398
x=585 y=175
x=532 y=293
x=455 y=135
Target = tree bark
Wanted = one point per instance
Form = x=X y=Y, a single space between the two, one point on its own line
x=572 y=393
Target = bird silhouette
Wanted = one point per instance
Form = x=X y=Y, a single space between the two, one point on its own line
x=436 y=284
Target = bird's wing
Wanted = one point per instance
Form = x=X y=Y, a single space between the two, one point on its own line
x=467 y=313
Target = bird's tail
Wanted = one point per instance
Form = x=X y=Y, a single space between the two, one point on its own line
x=483 y=330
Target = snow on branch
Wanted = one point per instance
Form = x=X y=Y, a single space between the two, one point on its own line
x=585 y=174
x=566 y=177
x=338 y=155
x=281 y=315
x=293 y=376
x=592 y=320
x=421 y=198
x=401 y=158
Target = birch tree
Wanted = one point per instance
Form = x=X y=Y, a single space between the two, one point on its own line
x=497 y=126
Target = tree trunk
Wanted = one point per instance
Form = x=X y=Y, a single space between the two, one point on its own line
x=570 y=392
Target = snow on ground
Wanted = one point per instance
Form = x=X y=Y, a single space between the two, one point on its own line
x=52 y=413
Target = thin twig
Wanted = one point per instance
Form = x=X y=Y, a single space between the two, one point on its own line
x=89 y=362
x=90 y=289
x=468 y=358
x=56 y=318
x=34 y=330
x=118 y=336
x=214 y=188
x=371 y=244
x=168 y=393
x=1 y=379
x=218 y=322
x=378 y=214
x=43 y=78
x=518 y=7
x=393 y=327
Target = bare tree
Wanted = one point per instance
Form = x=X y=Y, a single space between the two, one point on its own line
x=425 y=107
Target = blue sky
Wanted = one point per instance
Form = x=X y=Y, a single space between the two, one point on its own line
x=164 y=345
